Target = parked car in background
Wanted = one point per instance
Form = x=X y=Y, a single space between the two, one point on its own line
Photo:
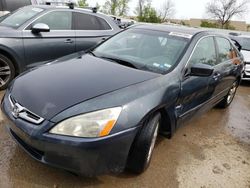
x=12 y=5
x=123 y=22
x=34 y=35
x=244 y=41
x=98 y=112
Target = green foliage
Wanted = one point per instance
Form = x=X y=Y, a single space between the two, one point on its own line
x=216 y=25
x=248 y=27
x=116 y=7
x=83 y=3
x=209 y=24
x=149 y=14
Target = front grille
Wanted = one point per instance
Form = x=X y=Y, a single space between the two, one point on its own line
x=32 y=151
x=19 y=111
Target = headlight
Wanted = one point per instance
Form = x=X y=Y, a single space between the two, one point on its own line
x=94 y=124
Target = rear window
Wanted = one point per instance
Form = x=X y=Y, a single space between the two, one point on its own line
x=89 y=22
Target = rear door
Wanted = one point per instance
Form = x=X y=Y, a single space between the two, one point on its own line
x=44 y=46
x=227 y=66
x=90 y=30
x=195 y=90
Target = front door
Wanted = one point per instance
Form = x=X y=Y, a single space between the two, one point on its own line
x=45 y=46
x=195 y=89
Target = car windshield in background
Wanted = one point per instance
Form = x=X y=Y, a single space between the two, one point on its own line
x=245 y=43
x=20 y=17
x=144 y=49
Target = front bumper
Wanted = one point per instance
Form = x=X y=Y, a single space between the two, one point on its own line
x=88 y=157
x=246 y=73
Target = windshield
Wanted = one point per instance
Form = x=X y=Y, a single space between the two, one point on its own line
x=143 y=49
x=20 y=17
x=245 y=44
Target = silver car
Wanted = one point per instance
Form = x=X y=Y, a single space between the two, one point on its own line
x=35 y=35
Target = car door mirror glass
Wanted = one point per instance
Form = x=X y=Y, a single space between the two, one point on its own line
x=202 y=70
x=40 y=27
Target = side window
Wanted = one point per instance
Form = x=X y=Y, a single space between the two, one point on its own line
x=103 y=24
x=89 y=22
x=204 y=52
x=60 y=20
x=225 y=49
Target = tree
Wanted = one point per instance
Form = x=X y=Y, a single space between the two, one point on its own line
x=83 y=3
x=167 y=11
x=141 y=6
x=208 y=24
x=224 y=10
x=116 y=7
x=149 y=14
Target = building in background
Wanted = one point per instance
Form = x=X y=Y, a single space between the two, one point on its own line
x=193 y=22
x=237 y=25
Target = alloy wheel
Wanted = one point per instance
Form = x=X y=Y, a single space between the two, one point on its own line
x=5 y=73
x=152 y=144
x=231 y=93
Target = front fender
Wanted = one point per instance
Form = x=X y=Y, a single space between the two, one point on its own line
x=13 y=47
x=137 y=101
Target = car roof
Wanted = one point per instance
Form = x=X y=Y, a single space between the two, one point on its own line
x=54 y=7
x=175 y=28
x=243 y=36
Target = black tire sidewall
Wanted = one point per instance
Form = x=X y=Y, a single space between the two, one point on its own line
x=137 y=161
x=224 y=103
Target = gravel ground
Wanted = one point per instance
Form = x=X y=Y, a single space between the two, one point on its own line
x=211 y=151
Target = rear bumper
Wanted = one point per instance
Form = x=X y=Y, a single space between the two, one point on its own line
x=88 y=157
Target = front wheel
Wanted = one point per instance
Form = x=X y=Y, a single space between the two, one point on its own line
x=142 y=149
x=229 y=97
x=7 y=71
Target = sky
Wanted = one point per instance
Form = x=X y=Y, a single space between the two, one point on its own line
x=184 y=9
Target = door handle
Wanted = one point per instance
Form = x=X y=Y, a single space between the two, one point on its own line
x=68 y=41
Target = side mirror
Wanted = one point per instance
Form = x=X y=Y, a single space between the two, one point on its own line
x=40 y=27
x=202 y=70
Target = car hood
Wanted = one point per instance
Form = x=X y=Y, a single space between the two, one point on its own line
x=50 y=89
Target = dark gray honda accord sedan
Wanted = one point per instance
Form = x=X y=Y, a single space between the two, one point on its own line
x=101 y=111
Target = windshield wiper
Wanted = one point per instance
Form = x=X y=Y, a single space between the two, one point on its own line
x=120 y=61
x=91 y=52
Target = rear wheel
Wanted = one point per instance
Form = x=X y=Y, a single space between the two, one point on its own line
x=229 y=97
x=142 y=149
x=7 y=71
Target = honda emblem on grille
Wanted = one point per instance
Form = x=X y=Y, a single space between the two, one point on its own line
x=16 y=111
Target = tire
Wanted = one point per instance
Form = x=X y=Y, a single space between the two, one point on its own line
x=7 y=71
x=229 y=97
x=142 y=148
